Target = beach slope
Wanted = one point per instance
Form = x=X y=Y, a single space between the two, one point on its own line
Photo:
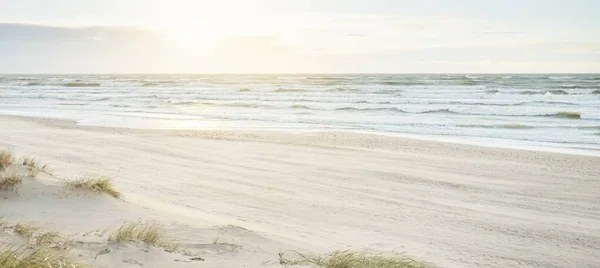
x=239 y=197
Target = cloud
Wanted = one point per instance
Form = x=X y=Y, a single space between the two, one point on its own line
x=34 y=32
x=38 y=48
x=26 y=48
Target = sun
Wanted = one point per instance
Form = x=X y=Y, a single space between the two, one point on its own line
x=188 y=22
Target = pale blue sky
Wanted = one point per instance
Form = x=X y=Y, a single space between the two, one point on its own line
x=142 y=36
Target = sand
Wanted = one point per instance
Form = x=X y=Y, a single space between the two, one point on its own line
x=266 y=191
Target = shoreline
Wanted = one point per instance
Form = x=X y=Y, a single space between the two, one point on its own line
x=264 y=135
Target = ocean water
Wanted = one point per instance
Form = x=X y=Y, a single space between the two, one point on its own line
x=541 y=111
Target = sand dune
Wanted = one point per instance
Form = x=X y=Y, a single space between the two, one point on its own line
x=452 y=205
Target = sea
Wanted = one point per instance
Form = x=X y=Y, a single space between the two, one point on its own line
x=552 y=112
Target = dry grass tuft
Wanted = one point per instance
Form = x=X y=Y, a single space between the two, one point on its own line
x=150 y=233
x=33 y=172
x=25 y=230
x=51 y=239
x=10 y=181
x=7 y=158
x=352 y=259
x=100 y=184
x=34 y=165
x=34 y=258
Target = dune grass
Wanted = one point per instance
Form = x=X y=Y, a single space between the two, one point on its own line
x=50 y=239
x=9 y=181
x=99 y=184
x=34 y=258
x=149 y=233
x=32 y=162
x=25 y=230
x=7 y=158
x=352 y=259
x=32 y=173
x=34 y=165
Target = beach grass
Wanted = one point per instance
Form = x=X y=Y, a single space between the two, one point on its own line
x=25 y=230
x=149 y=233
x=7 y=158
x=48 y=239
x=8 y=181
x=97 y=184
x=352 y=259
x=33 y=172
x=34 y=165
x=34 y=258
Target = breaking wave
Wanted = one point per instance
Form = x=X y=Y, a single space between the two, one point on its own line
x=290 y=90
x=81 y=84
x=553 y=92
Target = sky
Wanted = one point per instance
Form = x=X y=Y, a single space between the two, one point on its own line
x=299 y=36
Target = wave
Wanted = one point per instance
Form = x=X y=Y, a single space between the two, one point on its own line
x=72 y=104
x=493 y=91
x=558 y=92
x=401 y=83
x=514 y=126
x=468 y=83
x=149 y=84
x=286 y=90
x=245 y=90
x=235 y=104
x=386 y=92
x=348 y=109
x=370 y=109
x=296 y=106
x=579 y=86
x=567 y=115
x=529 y=92
x=595 y=92
x=570 y=115
x=504 y=126
x=463 y=103
x=32 y=84
x=120 y=105
x=438 y=111
x=81 y=84
x=342 y=89
x=184 y=103
x=548 y=102
x=334 y=78
x=560 y=77
x=553 y=92
x=590 y=128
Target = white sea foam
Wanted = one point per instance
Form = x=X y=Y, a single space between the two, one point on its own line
x=560 y=109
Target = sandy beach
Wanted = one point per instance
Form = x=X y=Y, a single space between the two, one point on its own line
x=238 y=198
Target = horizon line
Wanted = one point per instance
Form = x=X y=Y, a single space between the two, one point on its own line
x=300 y=73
